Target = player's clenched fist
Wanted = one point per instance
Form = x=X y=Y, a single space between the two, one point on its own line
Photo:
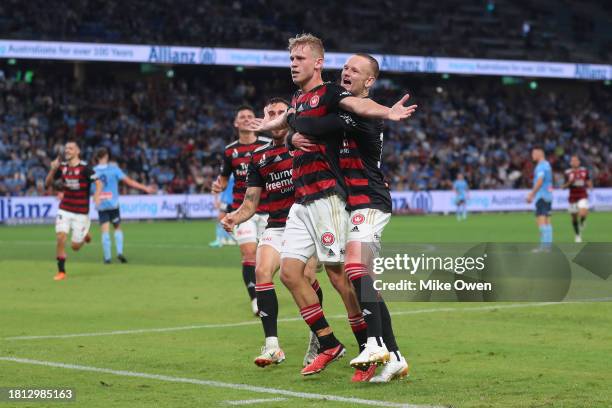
x=228 y=222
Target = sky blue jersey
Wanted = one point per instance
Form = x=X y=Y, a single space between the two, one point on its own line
x=460 y=187
x=543 y=171
x=110 y=174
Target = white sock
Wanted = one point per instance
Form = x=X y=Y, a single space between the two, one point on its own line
x=272 y=342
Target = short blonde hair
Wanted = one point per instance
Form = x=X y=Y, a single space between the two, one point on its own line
x=315 y=43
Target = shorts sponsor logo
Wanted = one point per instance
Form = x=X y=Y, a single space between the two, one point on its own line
x=358 y=219
x=328 y=239
x=331 y=253
x=355 y=229
x=314 y=101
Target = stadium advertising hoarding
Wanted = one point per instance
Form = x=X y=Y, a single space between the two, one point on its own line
x=168 y=54
x=134 y=207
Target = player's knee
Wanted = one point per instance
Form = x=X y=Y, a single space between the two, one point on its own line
x=263 y=273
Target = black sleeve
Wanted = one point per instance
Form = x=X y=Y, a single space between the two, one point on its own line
x=90 y=174
x=317 y=127
x=333 y=95
x=254 y=179
x=58 y=173
x=288 y=140
x=226 y=167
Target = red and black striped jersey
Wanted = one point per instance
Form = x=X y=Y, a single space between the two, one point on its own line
x=271 y=169
x=236 y=159
x=360 y=156
x=316 y=173
x=578 y=179
x=77 y=184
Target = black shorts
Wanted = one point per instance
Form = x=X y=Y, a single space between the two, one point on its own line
x=111 y=216
x=543 y=208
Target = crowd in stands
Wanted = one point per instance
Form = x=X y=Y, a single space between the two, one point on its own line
x=171 y=132
x=558 y=30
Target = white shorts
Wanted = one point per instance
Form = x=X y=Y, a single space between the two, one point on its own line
x=578 y=205
x=251 y=230
x=367 y=225
x=317 y=228
x=272 y=237
x=66 y=221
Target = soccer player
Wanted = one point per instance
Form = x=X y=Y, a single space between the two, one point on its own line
x=542 y=193
x=317 y=222
x=270 y=172
x=108 y=211
x=578 y=180
x=369 y=203
x=461 y=188
x=237 y=156
x=73 y=213
x=221 y=203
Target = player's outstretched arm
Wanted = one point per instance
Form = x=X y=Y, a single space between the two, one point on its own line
x=316 y=127
x=368 y=108
x=266 y=125
x=134 y=184
x=245 y=211
x=219 y=184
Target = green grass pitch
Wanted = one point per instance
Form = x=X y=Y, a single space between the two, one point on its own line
x=461 y=355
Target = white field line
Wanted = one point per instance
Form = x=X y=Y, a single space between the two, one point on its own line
x=288 y=319
x=254 y=401
x=216 y=384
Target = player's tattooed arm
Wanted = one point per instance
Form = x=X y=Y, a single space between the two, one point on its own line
x=368 y=108
x=245 y=211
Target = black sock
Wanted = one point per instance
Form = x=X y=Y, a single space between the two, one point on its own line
x=61 y=263
x=367 y=297
x=582 y=220
x=248 y=275
x=360 y=330
x=317 y=288
x=267 y=303
x=327 y=342
x=576 y=227
x=388 y=336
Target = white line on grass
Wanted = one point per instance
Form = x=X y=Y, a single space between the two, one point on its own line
x=254 y=401
x=288 y=319
x=216 y=384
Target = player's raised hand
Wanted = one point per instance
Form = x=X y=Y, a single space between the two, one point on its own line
x=55 y=163
x=400 y=112
x=256 y=124
x=228 y=222
x=302 y=142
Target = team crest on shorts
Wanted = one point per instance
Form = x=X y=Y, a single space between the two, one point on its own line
x=358 y=219
x=314 y=101
x=328 y=239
